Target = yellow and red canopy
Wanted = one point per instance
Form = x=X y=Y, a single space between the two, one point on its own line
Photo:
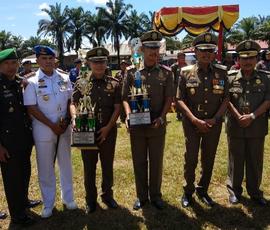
x=195 y=20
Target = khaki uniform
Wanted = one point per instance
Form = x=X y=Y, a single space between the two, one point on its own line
x=120 y=76
x=246 y=145
x=203 y=93
x=105 y=93
x=147 y=143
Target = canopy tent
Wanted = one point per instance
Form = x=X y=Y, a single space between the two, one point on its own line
x=196 y=20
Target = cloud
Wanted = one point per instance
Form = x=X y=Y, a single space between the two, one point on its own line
x=41 y=13
x=98 y=2
x=44 y=5
x=10 y=18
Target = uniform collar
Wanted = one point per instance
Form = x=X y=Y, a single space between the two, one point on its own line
x=149 y=69
x=253 y=75
x=41 y=74
x=92 y=78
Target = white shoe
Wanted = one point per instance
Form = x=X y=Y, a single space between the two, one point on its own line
x=46 y=213
x=71 y=205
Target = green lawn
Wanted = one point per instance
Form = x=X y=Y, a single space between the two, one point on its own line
x=222 y=216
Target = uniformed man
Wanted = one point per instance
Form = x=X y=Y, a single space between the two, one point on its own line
x=106 y=96
x=202 y=95
x=27 y=69
x=147 y=142
x=247 y=124
x=15 y=139
x=47 y=97
x=176 y=69
x=120 y=76
x=74 y=72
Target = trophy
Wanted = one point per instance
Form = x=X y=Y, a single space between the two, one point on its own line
x=139 y=103
x=83 y=135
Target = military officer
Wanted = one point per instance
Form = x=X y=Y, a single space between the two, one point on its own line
x=74 y=72
x=247 y=123
x=15 y=139
x=202 y=96
x=27 y=69
x=176 y=69
x=106 y=96
x=147 y=142
x=120 y=76
x=47 y=97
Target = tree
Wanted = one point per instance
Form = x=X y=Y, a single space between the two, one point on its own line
x=95 y=28
x=57 y=27
x=115 y=16
x=77 y=21
x=5 y=40
x=172 y=43
x=136 y=24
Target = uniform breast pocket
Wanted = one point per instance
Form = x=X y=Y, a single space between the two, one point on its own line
x=108 y=99
x=44 y=98
x=258 y=89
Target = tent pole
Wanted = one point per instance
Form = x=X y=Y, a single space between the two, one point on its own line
x=220 y=43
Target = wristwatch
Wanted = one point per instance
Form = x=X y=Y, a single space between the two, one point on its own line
x=161 y=120
x=252 y=115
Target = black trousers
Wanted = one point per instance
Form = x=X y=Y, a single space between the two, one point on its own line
x=16 y=176
x=90 y=158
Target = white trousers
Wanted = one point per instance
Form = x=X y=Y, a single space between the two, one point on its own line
x=46 y=172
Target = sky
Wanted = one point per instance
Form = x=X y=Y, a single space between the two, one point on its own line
x=21 y=17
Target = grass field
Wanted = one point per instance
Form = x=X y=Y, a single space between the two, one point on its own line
x=223 y=216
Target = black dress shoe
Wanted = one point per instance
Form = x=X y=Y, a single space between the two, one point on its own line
x=186 y=200
x=33 y=203
x=110 y=202
x=234 y=199
x=158 y=204
x=91 y=207
x=260 y=201
x=3 y=215
x=23 y=221
x=205 y=198
x=138 y=204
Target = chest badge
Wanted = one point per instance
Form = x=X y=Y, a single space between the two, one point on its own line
x=11 y=109
x=258 y=81
x=192 y=91
x=46 y=97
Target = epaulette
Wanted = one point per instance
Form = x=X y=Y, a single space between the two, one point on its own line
x=130 y=67
x=113 y=78
x=31 y=74
x=187 y=68
x=165 y=67
x=264 y=71
x=232 y=72
x=61 y=71
x=219 y=66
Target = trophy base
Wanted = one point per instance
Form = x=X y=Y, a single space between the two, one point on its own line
x=139 y=119
x=83 y=140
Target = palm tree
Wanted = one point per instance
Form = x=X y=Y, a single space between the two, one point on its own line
x=115 y=16
x=147 y=21
x=57 y=27
x=95 y=28
x=77 y=18
x=5 y=39
x=136 y=24
x=244 y=29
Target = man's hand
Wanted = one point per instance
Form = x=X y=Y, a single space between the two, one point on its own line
x=4 y=155
x=102 y=134
x=201 y=125
x=211 y=122
x=57 y=129
x=157 y=123
x=127 y=126
x=245 y=120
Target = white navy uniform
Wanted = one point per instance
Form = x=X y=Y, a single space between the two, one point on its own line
x=51 y=95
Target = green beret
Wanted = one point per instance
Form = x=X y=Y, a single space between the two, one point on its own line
x=8 y=54
x=151 y=39
x=248 y=48
x=205 y=41
x=97 y=54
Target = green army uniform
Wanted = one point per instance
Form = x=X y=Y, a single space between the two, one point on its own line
x=105 y=93
x=147 y=143
x=246 y=145
x=16 y=137
x=203 y=93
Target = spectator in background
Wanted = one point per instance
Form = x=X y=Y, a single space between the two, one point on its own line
x=74 y=72
x=264 y=63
